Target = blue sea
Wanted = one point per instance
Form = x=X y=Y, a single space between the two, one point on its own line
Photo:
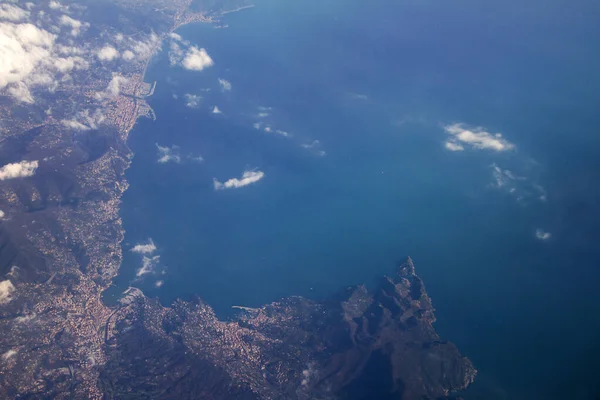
x=342 y=109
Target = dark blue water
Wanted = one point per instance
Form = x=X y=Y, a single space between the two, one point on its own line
x=375 y=83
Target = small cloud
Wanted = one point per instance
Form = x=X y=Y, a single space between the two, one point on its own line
x=168 y=154
x=148 y=265
x=144 y=248
x=107 y=53
x=542 y=234
x=113 y=89
x=216 y=110
x=9 y=354
x=453 y=146
x=315 y=147
x=21 y=169
x=158 y=284
x=196 y=158
x=257 y=125
x=128 y=55
x=6 y=291
x=192 y=100
x=225 y=85
x=23 y=319
x=248 y=178
x=74 y=24
x=477 y=138
x=268 y=129
x=196 y=59
x=262 y=114
x=2 y=214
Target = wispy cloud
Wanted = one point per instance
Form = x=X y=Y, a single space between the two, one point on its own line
x=248 y=178
x=144 y=248
x=315 y=147
x=148 y=266
x=519 y=186
x=476 y=138
x=542 y=234
x=168 y=154
x=225 y=85
x=21 y=169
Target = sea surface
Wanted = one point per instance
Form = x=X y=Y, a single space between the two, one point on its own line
x=355 y=96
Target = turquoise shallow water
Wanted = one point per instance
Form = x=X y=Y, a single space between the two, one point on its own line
x=375 y=86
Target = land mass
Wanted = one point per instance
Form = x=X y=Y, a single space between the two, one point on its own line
x=63 y=155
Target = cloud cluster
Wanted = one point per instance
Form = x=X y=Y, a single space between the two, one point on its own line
x=248 y=178
x=225 y=85
x=192 y=100
x=144 y=248
x=12 y=13
x=168 y=154
x=6 y=291
x=519 y=186
x=21 y=169
x=30 y=57
x=188 y=56
x=476 y=138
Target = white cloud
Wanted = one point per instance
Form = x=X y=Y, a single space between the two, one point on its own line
x=192 y=100
x=453 y=146
x=12 y=13
x=9 y=354
x=128 y=55
x=6 y=291
x=85 y=121
x=113 y=89
x=282 y=133
x=196 y=59
x=107 y=53
x=168 y=154
x=144 y=248
x=55 y=5
x=216 y=110
x=542 y=234
x=183 y=53
x=263 y=115
x=25 y=318
x=225 y=85
x=74 y=24
x=315 y=147
x=477 y=138
x=141 y=49
x=21 y=169
x=29 y=58
x=158 y=284
x=148 y=264
x=248 y=178
x=2 y=214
